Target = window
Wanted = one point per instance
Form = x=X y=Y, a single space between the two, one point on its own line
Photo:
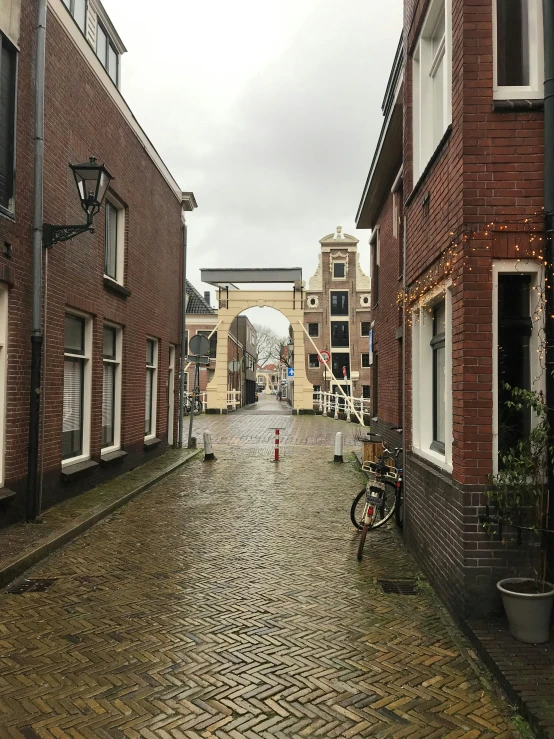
x=339 y=333
x=78 y=9
x=313 y=329
x=439 y=400
x=432 y=83
x=3 y=372
x=339 y=303
x=365 y=328
x=314 y=361
x=316 y=391
x=366 y=392
x=339 y=270
x=8 y=63
x=518 y=46
x=375 y=384
x=107 y=53
x=365 y=360
x=114 y=239
x=111 y=388
x=432 y=378
x=213 y=342
x=516 y=357
x=151 y=388
x=375 y=245
x=338 y=362
x=76 y=387
x=396 y=191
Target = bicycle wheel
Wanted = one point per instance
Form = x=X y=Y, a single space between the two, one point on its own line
x=384 y=512
x=399 y=509
x=197 y=407
x=357 y=509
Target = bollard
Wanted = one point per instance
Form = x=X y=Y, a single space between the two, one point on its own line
x=209 y=455
x=339 y=442
x=276 y=445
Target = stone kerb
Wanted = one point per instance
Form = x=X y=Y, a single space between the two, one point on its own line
x=293 y=310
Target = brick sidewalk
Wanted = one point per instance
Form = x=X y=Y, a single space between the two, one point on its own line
x=228 y=603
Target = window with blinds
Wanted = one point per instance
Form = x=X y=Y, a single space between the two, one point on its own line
x=110 y=242
x=109 y=379
x=149 y=414
x=8 y=61
x=73 y=387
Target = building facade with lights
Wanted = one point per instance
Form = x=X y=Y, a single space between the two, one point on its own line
x=337 y=316
x=111 y=299
x=454 y=202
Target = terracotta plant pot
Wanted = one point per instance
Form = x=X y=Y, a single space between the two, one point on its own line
x=528 y=613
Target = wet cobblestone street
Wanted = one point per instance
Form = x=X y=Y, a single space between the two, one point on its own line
x=228 y=602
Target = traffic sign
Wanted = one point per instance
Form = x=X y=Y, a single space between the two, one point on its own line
x=234 y=365
x=290 y=372
x=199 y=344
x=324 y=356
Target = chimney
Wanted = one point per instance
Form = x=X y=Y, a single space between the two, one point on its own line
x=207 y=296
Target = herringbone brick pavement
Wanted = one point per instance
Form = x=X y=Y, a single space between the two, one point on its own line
x=227 y=602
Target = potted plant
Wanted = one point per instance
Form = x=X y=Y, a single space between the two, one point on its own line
x=519 y=495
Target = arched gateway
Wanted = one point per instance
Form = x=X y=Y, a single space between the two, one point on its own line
x=233 y=301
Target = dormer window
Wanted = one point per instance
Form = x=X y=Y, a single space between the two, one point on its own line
x=106 y=52
x=78 y=9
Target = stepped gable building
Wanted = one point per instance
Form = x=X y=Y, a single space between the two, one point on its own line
x=337 y=316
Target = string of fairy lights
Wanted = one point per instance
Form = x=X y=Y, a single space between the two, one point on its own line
x=464 y=247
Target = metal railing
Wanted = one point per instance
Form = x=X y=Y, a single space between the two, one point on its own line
x=331 y=404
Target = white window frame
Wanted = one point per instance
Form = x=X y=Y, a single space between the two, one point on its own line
x=3 y=375
x=337 y=316
x=396 y=185
x=154 y=414
x=422 y=377
x=313 y=336
x=535 y=88
x=117 y=362
x=339 y=261
x=536 y=271
x=87 y=386
x=120 y=248
x=424 y=67
x=172 y=353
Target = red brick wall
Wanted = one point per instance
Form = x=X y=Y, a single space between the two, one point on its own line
x=82 y=120
x=489 y=169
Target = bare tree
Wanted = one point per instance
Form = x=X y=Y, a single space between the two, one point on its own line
x=268 y=344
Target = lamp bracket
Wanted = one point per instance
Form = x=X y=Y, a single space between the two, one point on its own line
x=54 y=234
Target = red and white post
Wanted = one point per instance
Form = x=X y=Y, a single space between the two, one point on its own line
x=276 y=459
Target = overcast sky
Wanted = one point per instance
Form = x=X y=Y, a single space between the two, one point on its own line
x=268 y=111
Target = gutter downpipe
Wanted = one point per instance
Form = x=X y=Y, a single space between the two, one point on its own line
x=548 y=10
x=32 y=503
x=404 y=322
x=183 y=337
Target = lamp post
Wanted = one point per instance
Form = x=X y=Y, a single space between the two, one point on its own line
x=92 y=180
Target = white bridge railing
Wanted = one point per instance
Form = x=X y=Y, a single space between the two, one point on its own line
x=331 y=404
x=233 y=399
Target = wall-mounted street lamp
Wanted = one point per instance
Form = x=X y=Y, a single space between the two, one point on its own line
x=92 y=180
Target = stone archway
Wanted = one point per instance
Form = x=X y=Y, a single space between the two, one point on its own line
x=232 y=302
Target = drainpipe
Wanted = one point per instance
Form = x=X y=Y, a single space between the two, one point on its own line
x=183 y=337
x=32 y=495
x=548 y=8
x=404 y=340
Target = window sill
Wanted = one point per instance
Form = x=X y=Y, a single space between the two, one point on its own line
x=110 y=458
x=435 y=458
x=115 y=287
x=517 y=105
x=9 y=214
x=6 y=495
x=151 y=443
x=77 y=470
x=434 y=156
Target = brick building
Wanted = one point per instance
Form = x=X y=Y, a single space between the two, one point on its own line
x=458 y=174
x=337 y=316
x=201 y=319
x=112 y=298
